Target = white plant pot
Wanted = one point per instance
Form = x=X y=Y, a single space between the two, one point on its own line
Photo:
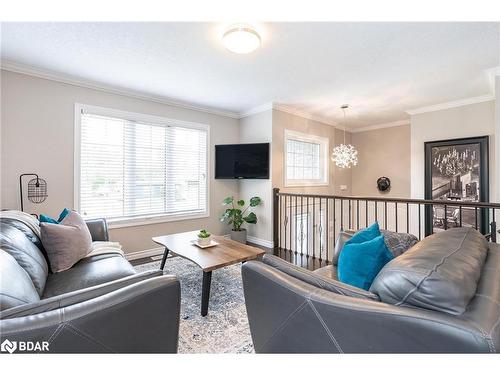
x=239 y=235
x=204 y=241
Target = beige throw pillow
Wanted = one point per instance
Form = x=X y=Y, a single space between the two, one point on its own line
x=67 y=242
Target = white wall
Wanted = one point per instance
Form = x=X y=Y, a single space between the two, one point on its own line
x=466 y=121
x=257 y=128
x=37 y=127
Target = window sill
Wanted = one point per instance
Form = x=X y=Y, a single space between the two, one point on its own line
x=148 y=220
x=305 y=184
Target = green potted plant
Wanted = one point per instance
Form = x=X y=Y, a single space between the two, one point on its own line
x=236 y=215
x=204 y=237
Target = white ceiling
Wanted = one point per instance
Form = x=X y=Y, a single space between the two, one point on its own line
x=380 y=69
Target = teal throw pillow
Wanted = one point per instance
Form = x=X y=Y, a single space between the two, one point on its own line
x=364 y=235
x=359 y=263
x=48 y=219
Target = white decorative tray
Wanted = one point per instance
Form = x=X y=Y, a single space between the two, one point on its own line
x=211 y=244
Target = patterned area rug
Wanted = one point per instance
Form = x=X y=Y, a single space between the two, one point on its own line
x=225 y=329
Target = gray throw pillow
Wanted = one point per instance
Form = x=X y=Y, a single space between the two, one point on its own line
x=67 y=242
x=339 y=244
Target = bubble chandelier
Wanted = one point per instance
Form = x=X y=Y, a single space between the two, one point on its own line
x=345 y=155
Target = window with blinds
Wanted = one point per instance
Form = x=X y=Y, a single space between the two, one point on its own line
x=132 y=169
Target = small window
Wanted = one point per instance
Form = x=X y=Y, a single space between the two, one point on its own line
x=306 y=161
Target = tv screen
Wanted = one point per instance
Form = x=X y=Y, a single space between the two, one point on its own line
x=249 y=160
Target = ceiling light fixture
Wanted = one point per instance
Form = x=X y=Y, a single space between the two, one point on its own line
x=241 y=39
x=345 y=155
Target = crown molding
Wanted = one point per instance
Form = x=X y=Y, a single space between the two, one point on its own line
x=491 y=75
x=259 y=109
x=306 y=115
x=75 y=81
x=380 y=126
x=453 y=104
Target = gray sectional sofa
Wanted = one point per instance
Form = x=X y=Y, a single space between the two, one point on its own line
x=99 y=305
x=441 y=296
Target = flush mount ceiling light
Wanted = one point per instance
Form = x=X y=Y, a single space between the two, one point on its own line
x=241 y=39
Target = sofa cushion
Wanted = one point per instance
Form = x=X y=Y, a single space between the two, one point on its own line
x=67 y=242
x=317 y=280
x=21 y=243
x=441 y=272
x=16 y=287
x=327 y=271
x=88 y=272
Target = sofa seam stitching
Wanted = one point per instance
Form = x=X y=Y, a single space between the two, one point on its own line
x=88 y=337
x=325 y=327
x=284 y=323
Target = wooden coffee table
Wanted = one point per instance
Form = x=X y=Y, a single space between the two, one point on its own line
x=226 y=253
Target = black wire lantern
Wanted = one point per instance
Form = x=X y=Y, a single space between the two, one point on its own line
x=37 y=189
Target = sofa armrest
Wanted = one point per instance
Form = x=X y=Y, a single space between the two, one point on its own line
x=141 y=318
x=76 y=296
x=287 y=315
x=317 y=280
x=98 y=229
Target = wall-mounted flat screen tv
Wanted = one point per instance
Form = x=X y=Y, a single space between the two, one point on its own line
x=250 y=160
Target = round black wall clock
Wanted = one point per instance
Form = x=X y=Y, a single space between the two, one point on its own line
x=383 y=184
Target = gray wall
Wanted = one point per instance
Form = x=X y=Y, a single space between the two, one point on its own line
x=382 y=152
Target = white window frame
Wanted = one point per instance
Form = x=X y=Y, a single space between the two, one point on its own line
x=324 y=163
x=133 y=116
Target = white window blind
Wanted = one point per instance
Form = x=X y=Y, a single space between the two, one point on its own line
x=137 y=169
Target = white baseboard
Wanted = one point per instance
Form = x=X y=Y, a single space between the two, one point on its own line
x=257 y=241
x=260 y=241
x=145 y=253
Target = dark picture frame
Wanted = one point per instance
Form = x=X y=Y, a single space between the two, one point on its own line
x=452 y=159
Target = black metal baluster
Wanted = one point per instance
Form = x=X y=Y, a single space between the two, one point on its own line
x=334 y=223
x=407 y=218
x=366 y=213
x=475 y=213
x=493 y=228
x=295 y=219
x=376 y=211
x=396 y=213
x=320 y=232
x=385 y=215
x=357 y=214
x=279 y=223
x=286 y=223
x=327 y=225
x=349 y=213
x=445 y=217
x=419 y=223
x=313 y=226
x=301 y=226
x=341 y=214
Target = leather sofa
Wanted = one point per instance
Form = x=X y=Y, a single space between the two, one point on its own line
x=101 y=304
x=441 y=296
